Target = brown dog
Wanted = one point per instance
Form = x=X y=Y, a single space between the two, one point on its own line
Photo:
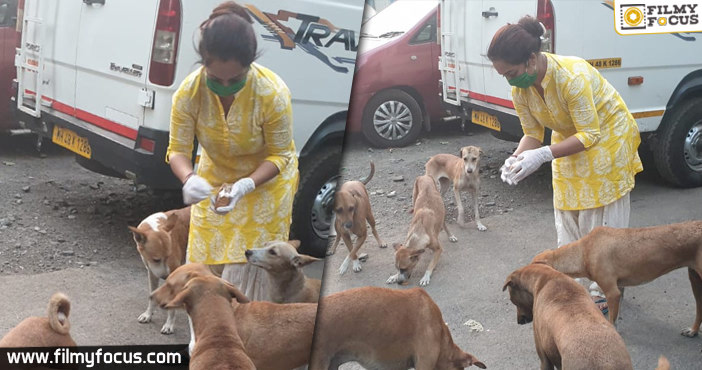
x=161 y=240
x=217 y=344
x=427 y=221
x=385 y=329
x=287 y=282
x=463 y=173
x=352 y=209
x=617 y=258
x=50 y=331
x=286 y=347
x=569 y=331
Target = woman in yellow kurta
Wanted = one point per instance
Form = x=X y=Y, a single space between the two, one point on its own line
x=240 y=112
x=594 y=138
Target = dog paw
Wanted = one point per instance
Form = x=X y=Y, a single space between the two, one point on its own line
x=453 y=238
x=482 y=227
x=384 y=245
x=357 y=266
x=392 y=279
x=363 y=257
x=330 y=252
x=425 y=281
x=145 y=317
x=688 y=332
x=167 y=329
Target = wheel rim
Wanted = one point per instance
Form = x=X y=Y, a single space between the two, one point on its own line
x=693 y=147
x=322 y=208
x=392 y=120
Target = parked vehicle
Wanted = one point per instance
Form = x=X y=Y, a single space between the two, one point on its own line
x=97 y=78
x=659 y=76
x=8 y=42
x=396 y=90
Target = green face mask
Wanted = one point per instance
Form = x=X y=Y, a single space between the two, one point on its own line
x=524 y=80
x=222 y=90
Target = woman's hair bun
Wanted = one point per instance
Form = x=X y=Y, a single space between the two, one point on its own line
x=531 y=25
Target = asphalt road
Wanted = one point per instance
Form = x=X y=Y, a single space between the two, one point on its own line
x=467 y=283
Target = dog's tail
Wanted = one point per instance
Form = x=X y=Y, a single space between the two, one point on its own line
x=663 y=363
x=370 y=175
x=59 y=308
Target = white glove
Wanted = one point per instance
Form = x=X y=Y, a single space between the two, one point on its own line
x=530 y=161
x=505 y=173
x=239 y=189
x=196 y=189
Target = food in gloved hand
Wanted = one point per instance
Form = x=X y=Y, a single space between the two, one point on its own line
x=223 y=195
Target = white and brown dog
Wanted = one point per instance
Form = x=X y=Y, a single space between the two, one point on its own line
x=352 y=209
x=161 y=240
x=50 y=331
x=463 y=173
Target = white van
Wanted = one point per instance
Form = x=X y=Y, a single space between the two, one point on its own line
x=658 y=76
x=104 y=72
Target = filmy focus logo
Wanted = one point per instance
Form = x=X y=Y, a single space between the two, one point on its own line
x=657 y=16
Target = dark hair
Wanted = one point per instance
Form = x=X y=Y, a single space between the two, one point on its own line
x=228 y=34
x=514 y=43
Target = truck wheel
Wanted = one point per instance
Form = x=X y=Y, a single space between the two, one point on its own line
x=678 y=155
x=314 y=201
x=392 y=119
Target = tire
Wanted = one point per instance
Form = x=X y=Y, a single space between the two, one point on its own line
x=678 y=153
x=392 y=104
x=314 y=200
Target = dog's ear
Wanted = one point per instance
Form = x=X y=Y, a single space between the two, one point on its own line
x=508 y=282
x=480 y=150
x=396 y=246
x=170 y=222
x=466 y=360
x=417 y=252
x=303 y=260
x=180 y=298
x=236 y=293
x=139 y=236
x=294 y=243
x=355 y=193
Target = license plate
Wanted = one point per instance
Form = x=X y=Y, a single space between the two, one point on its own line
x=71 y=141
x=485 y=119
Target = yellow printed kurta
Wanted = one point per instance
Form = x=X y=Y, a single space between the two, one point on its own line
x=257 y=127
x=579 y=101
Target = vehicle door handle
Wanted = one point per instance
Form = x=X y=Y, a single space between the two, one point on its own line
x=413 y=57
x=490 y=13
x=93 y=2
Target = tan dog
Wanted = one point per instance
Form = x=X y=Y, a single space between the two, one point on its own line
x=569 y=331
x=286 y=281
x=463 y=173
x=50 y=331
x=352 y=209
x=217 y=344
x=617 y=258
x=427 y=222
x=161 y=240
x=385 y=329
x=286 y=347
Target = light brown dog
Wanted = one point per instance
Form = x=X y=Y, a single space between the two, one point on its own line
x=463 y=172
x=161 y=241
x=287 y=282
x=427 y=221
x=617 y=258
x=352 y=209
x=275 y=336
x=217 y=343
x=569 y=331
x=50 y=331
x=385 y=329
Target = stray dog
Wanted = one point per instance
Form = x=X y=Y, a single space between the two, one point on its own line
x=50 y=331
x=161 y=240
x=464 y=174
x=617 y=258
x=385 y=329
x=569 y=331
x=286 y=281
x=427 y=220
x=286 y=348
x=352 y=209
x=208 y=302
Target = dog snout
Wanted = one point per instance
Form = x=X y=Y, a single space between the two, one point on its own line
x=248 y=253
x=521 y=320
x=348 y=225
x=469 y=170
